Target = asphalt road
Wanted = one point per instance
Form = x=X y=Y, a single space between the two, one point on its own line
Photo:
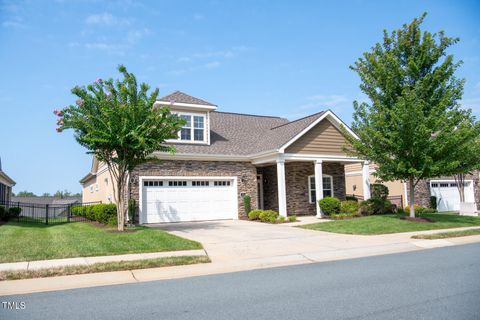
x=430 y=284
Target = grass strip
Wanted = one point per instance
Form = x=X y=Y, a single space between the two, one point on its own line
x=103 y=267
x=450 y=234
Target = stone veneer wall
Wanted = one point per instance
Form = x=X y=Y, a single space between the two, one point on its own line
x=296 y=180
x=244 y=171
x=422 y=189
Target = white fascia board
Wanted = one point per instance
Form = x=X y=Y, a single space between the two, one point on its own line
x=186 y=105
x=327 y=115
x=199 y=157
x=323 y=157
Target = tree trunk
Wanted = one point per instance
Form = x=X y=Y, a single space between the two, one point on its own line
x=412 y=195
x=460 y=180
x=120 y=203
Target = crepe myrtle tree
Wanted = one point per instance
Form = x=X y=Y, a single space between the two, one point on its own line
x=116 y=122
x=412 y=126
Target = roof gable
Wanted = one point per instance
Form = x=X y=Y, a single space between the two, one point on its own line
x=181 y=97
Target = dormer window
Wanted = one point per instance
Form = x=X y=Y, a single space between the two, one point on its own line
x=194 y=128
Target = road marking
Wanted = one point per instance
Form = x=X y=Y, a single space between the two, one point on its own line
x=432 y=243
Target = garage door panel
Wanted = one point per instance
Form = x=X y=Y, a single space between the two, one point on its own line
x=188 y=203
x=448 y=197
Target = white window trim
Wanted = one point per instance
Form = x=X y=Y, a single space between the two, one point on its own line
x=310 y=186
x=192 y=128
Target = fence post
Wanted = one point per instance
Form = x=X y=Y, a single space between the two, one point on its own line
x=46 y=214
x=69 y=212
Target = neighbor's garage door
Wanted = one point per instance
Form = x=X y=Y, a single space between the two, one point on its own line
x=448 y=198
x=166 y=200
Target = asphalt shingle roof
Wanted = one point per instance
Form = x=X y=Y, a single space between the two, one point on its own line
x=243 y=134
x=181 y=97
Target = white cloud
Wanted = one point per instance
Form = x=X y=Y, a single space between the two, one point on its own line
x=198 y=16
x=331 y=101
x=13 y=24
x=106 y=19
x=212 y=65
x=184 y=59
x=133 y=36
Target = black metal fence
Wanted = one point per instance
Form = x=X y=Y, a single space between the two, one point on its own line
x=45 y=213
x=398 y=200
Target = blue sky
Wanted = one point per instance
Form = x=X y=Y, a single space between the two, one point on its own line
x=284 y=58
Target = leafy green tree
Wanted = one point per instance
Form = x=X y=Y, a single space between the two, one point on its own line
x=46 y=194
x=25 y=193
x=62 y=194
x=413 y=123
x=116 y=121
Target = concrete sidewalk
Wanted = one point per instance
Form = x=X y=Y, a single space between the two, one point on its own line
x=44 y=264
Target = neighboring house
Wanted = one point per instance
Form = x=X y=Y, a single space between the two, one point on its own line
x=221 y=157
x=50 y=200
x=6 y=184
x=446 y=192
x=97 y=185
x=36 y=207
x=354 y=186
x=443 y=188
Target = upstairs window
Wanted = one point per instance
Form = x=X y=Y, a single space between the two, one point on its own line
x=194 y=128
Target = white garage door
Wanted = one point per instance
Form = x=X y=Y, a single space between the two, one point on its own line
x=180 y=199
x=448 y=198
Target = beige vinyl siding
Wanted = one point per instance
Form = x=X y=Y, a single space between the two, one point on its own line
x=354 y=185
x=354 y=167
x=324 y=138
x=103 y=193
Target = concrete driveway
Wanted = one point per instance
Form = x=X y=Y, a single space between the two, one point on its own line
x=243 y=242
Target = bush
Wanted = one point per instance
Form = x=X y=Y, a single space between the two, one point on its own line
x=103 y=213
x=433 y=203
x=268 y=216
x=376 y=206
x=292 y=218
x=3 y=214
x=281 y=219
x=254 y=215
x=379 y=191
x=343 y=216
x=132 y=209
x=349 y=206
x=351 y=198
x=14 y=212
x=329 y=205
x=247 y=203
x=419 y=210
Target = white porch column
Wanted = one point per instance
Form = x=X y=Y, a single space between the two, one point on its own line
x=282 y=194
x=366 y=180
x=318 y=186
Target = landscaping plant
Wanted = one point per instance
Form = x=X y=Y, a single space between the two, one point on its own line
x=329 y=205
x=116 y=122
x=349 y=207
x=254 y=214
x=269 y=216
x=413 y=127
x=247 y=203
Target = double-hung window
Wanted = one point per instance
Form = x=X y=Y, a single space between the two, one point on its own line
x=327 y=182
x=194 y=128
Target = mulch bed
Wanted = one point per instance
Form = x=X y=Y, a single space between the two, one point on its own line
x=417 y=219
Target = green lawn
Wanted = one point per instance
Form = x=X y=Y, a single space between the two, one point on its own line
x=34 y=241
x=392 y=224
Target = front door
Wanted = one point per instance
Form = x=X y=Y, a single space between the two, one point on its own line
x=260 y=191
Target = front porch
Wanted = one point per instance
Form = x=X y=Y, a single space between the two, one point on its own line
x=292 y=186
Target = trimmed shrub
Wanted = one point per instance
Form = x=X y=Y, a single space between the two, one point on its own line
x=103 y=213
x=254 y=215
x=132 y=209
x=377 y=206
x=268 y=216
x=247 y=203
x=281 y=219
x=433 y=202
x=14 y=212
x=351 y=198
x=419 y=210
x=349 y=207
x=343 y=216
x=3 y=214
x=292 y=218
x=379 y=190
x=329 y=205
